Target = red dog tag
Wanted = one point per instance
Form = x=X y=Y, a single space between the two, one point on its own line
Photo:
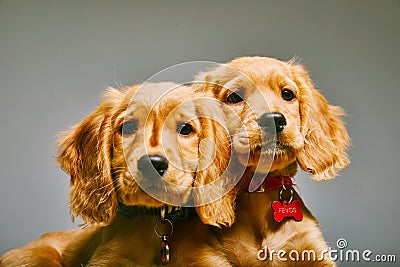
x=287 y=209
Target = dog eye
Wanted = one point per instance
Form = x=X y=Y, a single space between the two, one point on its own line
x=129 y=127
x=184 y=129
x=234 y=98
x=287 y=94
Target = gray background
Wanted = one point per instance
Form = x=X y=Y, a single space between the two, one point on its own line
x=56 y=57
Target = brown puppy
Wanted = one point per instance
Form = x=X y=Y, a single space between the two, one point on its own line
x=116 y=158
x=287 y=123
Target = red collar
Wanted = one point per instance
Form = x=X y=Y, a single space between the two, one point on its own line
x=270 y=183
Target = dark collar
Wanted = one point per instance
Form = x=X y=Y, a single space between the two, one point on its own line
x=172 y=213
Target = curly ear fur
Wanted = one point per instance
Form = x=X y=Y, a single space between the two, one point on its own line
x=214 y=150
x=325 y=137
x=85 y=154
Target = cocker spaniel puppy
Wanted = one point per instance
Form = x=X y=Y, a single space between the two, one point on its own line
x=143 y=152
x=132 y=131
x=287 y=123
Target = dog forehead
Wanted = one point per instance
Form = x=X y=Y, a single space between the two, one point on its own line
x=263 y=73
x=176 y=108
x=160 y=98
x=151 y=93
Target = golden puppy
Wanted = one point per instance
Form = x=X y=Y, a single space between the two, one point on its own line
x=131 y=161
x=287 y=123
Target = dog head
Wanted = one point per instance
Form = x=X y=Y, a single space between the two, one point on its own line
x=141 y=146
x=285 y=117
x=147 y=145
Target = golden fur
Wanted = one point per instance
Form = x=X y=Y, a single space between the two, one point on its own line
x=95 y=153
x=315 y=138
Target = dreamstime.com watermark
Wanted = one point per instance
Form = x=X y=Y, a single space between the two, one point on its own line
x=341 y=254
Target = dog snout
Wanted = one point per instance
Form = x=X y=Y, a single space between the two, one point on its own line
x=272 y=122
x=153 y=166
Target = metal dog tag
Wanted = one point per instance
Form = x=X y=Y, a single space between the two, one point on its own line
x=164 y=250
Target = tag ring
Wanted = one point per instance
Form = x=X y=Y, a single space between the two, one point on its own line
x=284 y=189
x=171 y=226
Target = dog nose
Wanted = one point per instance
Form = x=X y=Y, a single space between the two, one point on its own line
x=152 y=167
x=270 y=122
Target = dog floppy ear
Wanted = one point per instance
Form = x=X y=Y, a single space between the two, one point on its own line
x=325 y=137
x=212 y=178
x=85 y=154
